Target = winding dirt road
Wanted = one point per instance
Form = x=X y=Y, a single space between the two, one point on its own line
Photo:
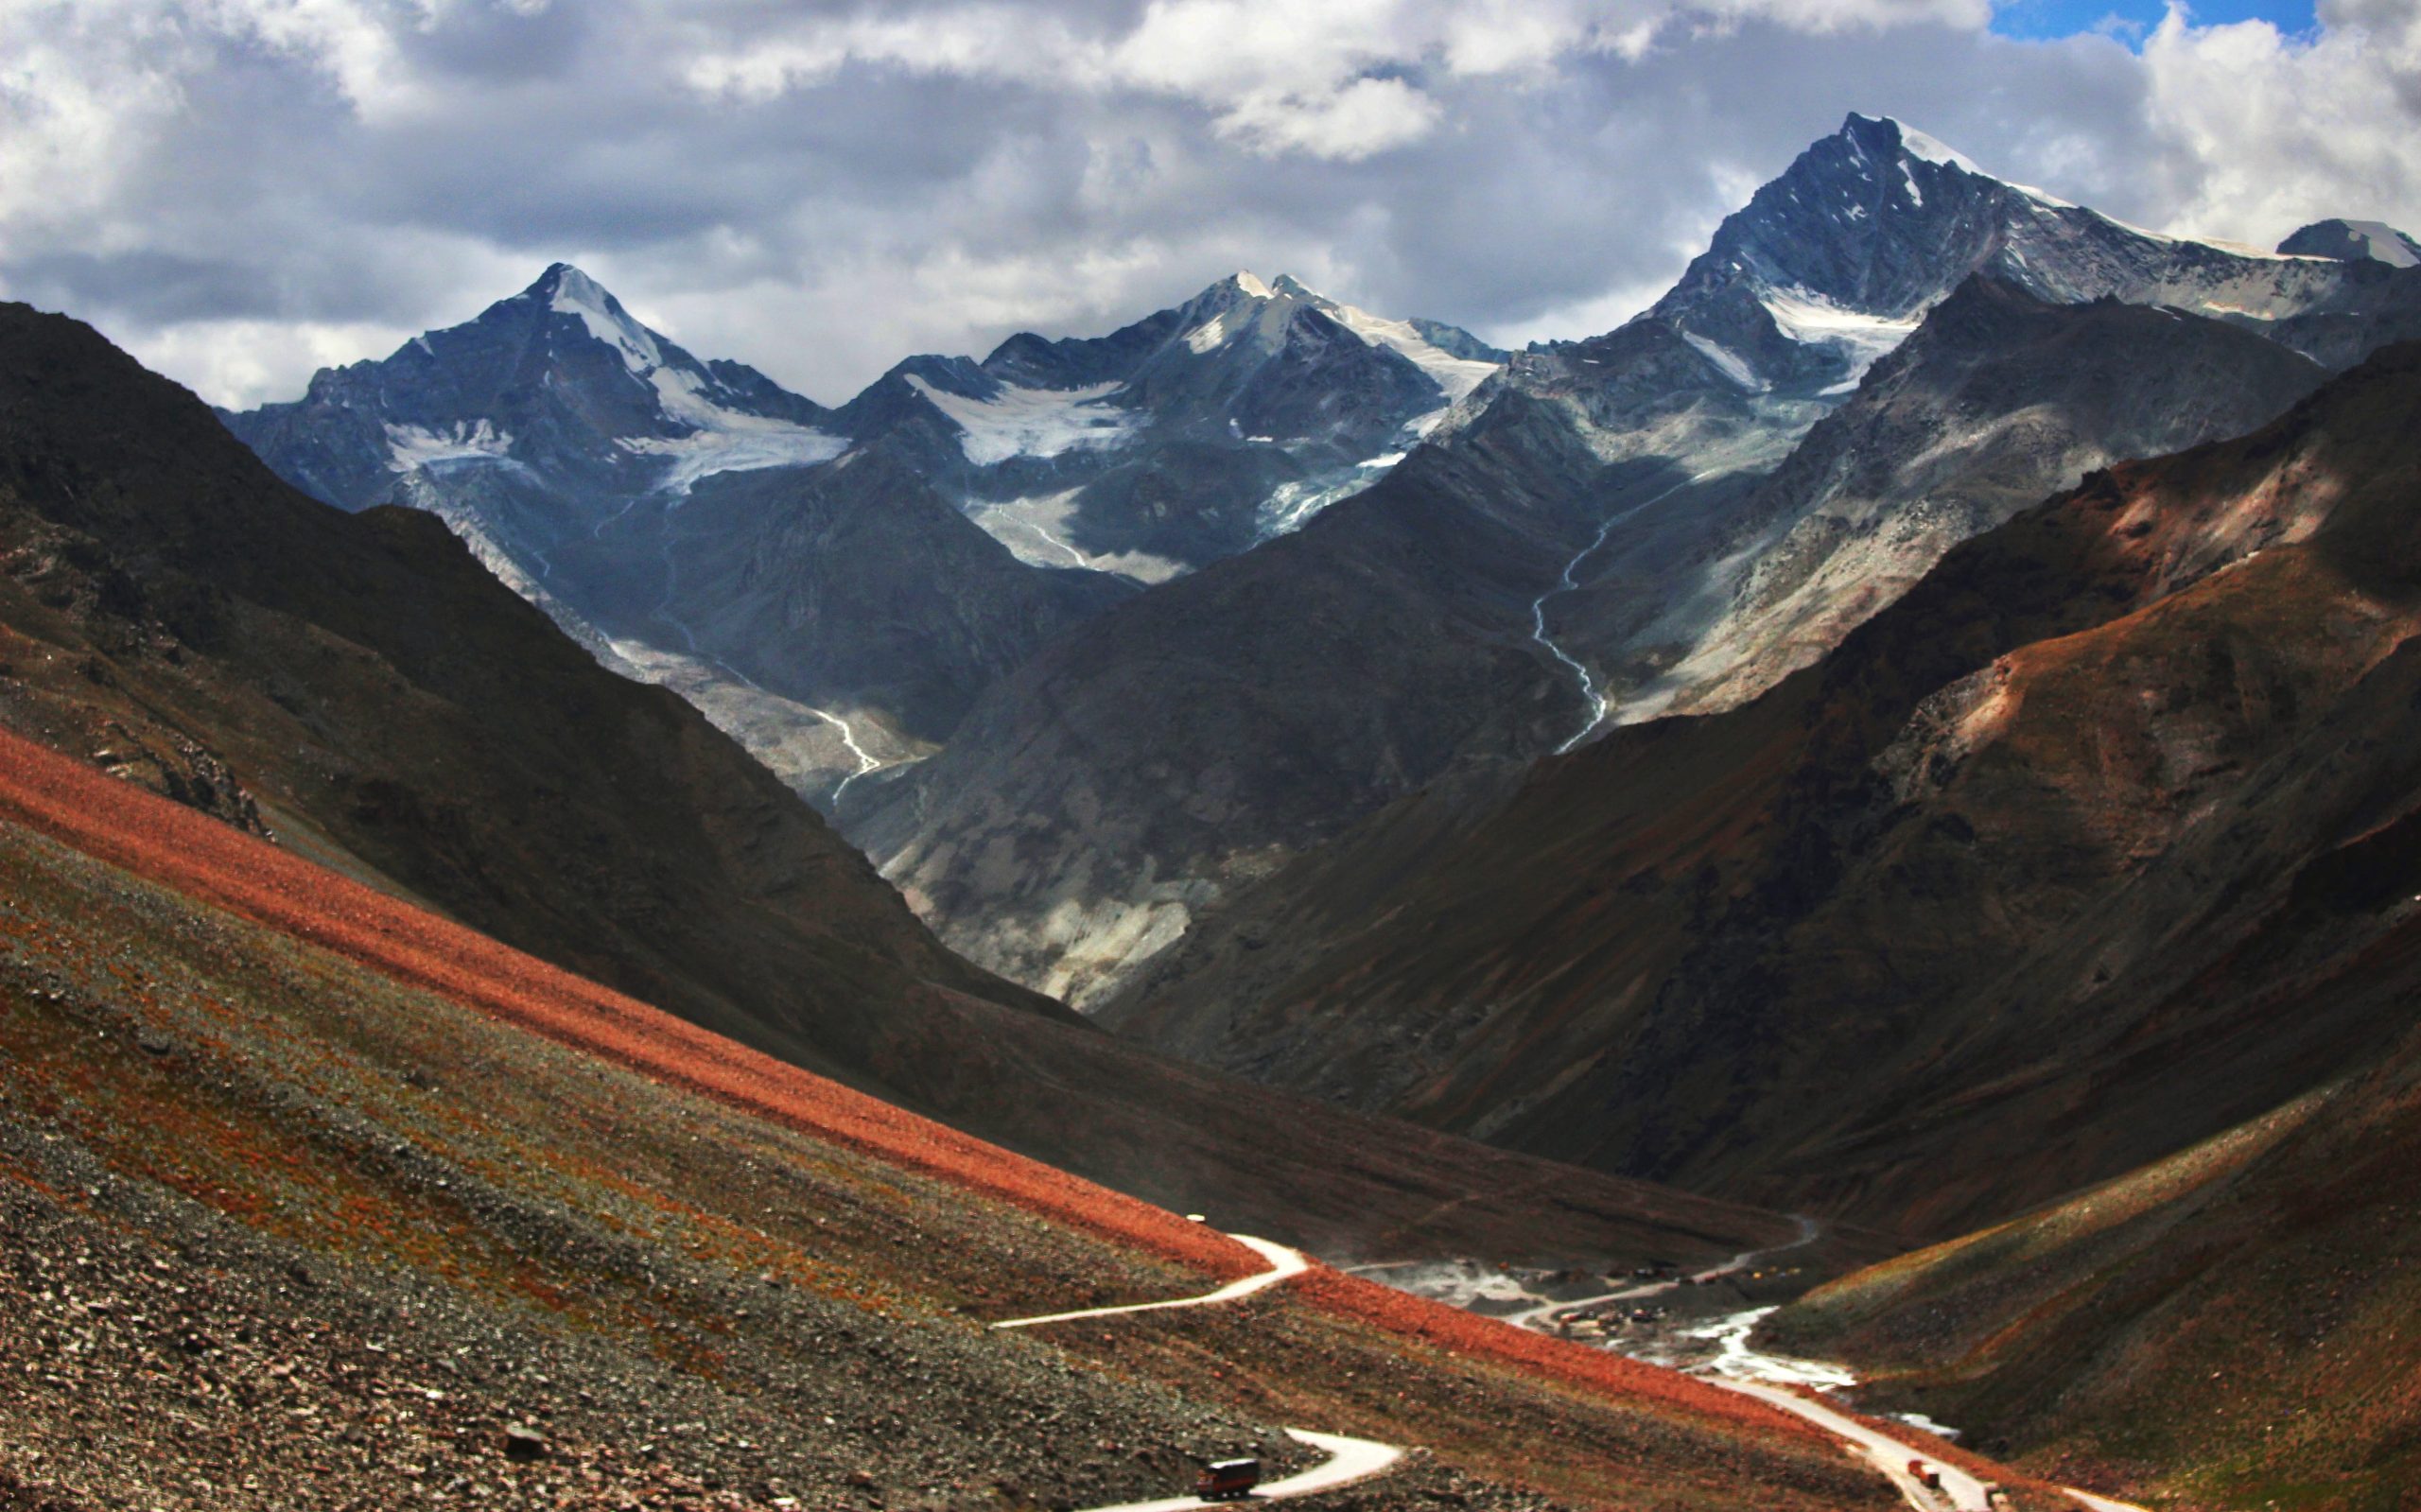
x=1961 y=1491
x=1349 y=1459
x=1283 y=1262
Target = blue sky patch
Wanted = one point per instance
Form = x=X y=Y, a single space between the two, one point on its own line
x=2130 y=19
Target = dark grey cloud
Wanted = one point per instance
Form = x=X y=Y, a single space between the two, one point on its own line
x=243 y=189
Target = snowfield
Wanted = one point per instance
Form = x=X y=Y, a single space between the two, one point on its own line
x=1033 y=422
x=1456 y=375
x=1730 y=363
x=411 y=446
x=1811 y=320
x=737 y=443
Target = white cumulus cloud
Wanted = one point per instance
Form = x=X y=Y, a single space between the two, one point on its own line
x=242 y=190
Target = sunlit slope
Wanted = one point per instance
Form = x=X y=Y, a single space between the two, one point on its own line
x=2232 y=1326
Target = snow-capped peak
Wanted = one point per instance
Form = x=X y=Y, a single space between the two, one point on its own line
x=2354 y=241
x=576 y=293
x=1456 y=375
x=571 y=290
x=709 y=434
x=1860 y=132
x=1918 y=144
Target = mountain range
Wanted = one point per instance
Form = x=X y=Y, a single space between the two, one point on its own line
x=1652 y=519
x=835 y=586
x=360 y=688
x=1065 y=738
x=1902 y=745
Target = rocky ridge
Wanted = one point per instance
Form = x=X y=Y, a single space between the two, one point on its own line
x=623 y=485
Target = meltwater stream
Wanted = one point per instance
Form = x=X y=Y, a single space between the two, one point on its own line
x=663 y=611
x=1567 y=584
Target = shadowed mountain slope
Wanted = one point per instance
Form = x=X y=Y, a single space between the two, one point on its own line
x=374 y=689
x=846 y=587
x=2017 y=865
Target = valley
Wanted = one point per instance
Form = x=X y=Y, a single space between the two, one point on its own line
x=1787 y=885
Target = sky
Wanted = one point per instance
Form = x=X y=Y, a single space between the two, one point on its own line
x=241 y=191
x=2134 y=20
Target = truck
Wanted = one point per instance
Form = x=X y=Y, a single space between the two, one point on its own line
x=1924 y=1475
x=1227 y=1480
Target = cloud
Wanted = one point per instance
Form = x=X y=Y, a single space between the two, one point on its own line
x=240 y=190
x=1349 y=123
x=2263 y=133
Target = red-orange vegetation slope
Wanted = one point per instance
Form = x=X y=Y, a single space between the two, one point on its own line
x=174 y=846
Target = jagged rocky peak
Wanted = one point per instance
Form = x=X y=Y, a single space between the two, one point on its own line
x=1834 y=262
x=692 y=395
x=1837 y=260
x=1861 y=219
x=580 y=336
x=565 y=290
x=1252 y=303
x=563 y=287
x=560 y=377
x=2352 y=241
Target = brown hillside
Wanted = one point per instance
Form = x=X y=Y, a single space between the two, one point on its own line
x=2231 y=1327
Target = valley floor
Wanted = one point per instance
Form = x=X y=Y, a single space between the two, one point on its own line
x=1696 y=1323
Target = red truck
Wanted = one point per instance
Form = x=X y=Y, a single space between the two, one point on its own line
x=1227 y=1480
x=1924 y=1475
